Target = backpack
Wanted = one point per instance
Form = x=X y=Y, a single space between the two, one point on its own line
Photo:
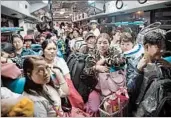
x=84 y=84
x=155 y=96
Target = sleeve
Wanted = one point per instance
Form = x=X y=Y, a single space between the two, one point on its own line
x=6 y=93
x=61 y=93
x=19 y=61
x=63 y=66
x=115 y=59
x=40 y=109
x=90 y=62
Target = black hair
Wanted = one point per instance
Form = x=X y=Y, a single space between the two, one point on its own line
x=7 y=47
x=30 y=86
x=168 y=41
x=45 y=43
x=62 y=24
x=48 y=36
x=16 y=36
x=154 y=38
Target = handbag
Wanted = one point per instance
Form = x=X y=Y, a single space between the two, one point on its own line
x=10 y=70
x=110 y=82
x=115 y=104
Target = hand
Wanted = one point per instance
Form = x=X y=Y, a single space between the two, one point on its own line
x=102 y=68
x=101 y=61
x=3 y=60
x=143 y=63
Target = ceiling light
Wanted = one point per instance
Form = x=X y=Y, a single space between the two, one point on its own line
x=90 y=1
x=66 y=16
x=61 y=12
x=45 y=1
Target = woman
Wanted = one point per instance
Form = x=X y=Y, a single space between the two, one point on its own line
x=104 y=57
x=49 y=53
x=102 y=60
x=49 y=49
x=116 y=40
x=90 y=40
x=28 y=41
x=77 y=41
x=20 y=51
x=41 y=89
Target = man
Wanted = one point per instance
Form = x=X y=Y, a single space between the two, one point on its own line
x=94 y=29
x=153 y=43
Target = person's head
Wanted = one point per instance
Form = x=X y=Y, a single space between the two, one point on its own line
x=7 y=50
x=84 y=33
x=76 y=33
x=42 y=38
x=126 y=41
x=90 y=39
x=70 y=35
x=103 y=43
x=49 y=48
x=28 y=40
x=36 y=69
x=37 y=73
x=116 y=37
x=93 y=24
x=81 y=31
x=154 y=44
x=83 y=48
x=62 y=25
x=17 y=41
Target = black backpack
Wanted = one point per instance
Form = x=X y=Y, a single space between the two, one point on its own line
x=155 y=96
x=84 y=84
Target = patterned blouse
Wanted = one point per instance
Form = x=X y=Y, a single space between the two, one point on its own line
x=113 y=59
x=19 y=59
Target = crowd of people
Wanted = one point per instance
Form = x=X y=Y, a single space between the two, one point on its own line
x=58 y=73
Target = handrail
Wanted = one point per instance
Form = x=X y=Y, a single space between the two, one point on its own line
x=119 y=7
x=142 y=2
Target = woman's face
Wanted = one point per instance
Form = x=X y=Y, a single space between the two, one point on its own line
x=116 y=38
x=126 y=46
x=42 y=38
x=75 y=34
x=84 y=33
x=18 y=43
x=91 y=42
x=41 y=72
x=102 y=45
x=50 y=51
x=28 y=43
x=71 y=36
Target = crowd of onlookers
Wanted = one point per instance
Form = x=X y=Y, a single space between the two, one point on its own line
x=39 y=79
